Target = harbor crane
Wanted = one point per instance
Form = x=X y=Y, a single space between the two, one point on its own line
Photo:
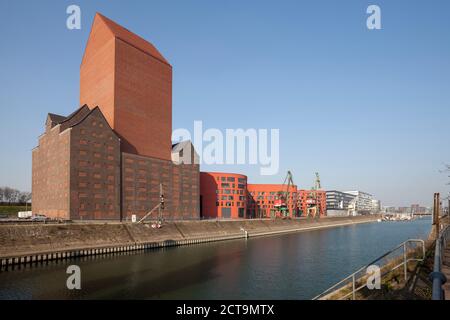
x=284 y=196
x=312 y=202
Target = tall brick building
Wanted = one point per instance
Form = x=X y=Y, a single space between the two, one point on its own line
x=108 y=158
x=131 y=83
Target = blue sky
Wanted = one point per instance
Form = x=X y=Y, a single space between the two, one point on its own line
x=368 y=110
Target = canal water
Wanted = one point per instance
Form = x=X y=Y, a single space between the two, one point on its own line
x=290 y=266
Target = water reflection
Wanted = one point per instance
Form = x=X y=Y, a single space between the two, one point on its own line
x=290 y=266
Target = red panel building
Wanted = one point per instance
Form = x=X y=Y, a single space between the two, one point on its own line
x=262 y=198
x=227 y=195
x=308 y=199
x=223 y=195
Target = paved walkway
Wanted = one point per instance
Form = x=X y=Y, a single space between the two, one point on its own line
x=446 y=271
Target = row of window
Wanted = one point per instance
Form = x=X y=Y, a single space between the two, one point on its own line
x=96 y=206
x=229 y=191
x=232 y=185
x=241 y=198
x=231 y=179
x=229 y=204
x=272 y=193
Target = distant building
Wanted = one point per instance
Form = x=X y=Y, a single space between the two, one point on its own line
x=363 y=203
x=417 y=209
x=404 y=210
x=376 y=206
x=422 y=210
x=338 y=200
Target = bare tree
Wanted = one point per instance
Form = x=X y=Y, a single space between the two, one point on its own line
x=11 y=195
x=446 y=169
x=24 y=197
x=8 y=193
x=15 y=196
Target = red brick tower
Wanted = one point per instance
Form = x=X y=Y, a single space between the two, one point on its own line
x=82 y=171
x=131 y=83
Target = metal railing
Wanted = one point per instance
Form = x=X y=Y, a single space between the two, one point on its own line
x=437 y=276
x=360 y=274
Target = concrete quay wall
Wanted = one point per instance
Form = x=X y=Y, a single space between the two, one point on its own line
x=28 y=243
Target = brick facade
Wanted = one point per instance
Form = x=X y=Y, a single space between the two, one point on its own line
x=108 y=158
x=131 y=82
x=77 y=170
x=50 y=173
x=94 y=170
x=142 y=177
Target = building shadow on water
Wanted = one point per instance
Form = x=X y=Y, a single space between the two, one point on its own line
x=146 y=280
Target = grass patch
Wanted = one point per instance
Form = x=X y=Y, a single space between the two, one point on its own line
x=11 y=211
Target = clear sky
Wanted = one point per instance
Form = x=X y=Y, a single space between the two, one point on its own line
x=368 y=109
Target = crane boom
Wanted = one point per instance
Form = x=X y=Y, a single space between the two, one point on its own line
x=282 y=204
x=313 y=209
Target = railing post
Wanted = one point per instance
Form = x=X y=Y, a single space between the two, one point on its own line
x=395 y=250
x=437 y=277
x=423 y=250
x=404 y=261
x=353 y=287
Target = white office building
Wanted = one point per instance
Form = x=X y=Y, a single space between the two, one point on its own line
x=363 y=202
x=376 y=206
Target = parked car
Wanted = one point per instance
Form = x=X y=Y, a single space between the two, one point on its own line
x=39 y=217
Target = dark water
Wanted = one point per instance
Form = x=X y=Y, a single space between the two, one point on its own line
x=292 y=266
